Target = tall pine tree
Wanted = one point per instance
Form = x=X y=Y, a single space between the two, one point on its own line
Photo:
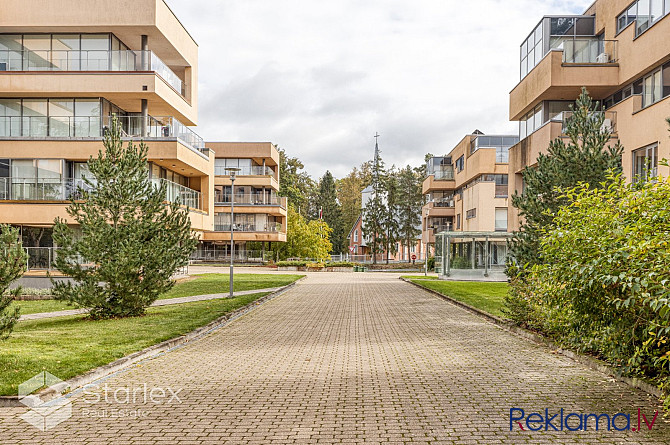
x=331 y=211
x=12 y=265
x=410 y=201
x=130 y=241
x=589 y=157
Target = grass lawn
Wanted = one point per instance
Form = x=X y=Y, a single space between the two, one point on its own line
x=485 y=296
x=201 y=285
x=69 y=346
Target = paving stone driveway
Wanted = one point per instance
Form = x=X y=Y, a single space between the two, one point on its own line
x=348 y=358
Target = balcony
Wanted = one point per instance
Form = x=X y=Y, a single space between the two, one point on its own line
x=250 y=199
x=94 y=61
x=57 y=189
x=256 y=170
x=70 y=127
x=608 y=117
x=588 y=51
x=186 y=196
x=250 y=227
x=443 y=202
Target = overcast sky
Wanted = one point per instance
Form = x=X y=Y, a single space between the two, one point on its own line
x=319 y=78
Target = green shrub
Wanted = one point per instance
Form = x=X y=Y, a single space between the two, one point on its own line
x=605 y=287
x=12 y=265
x=341 y=264
x=431 y=263
x=291 y=263
x=460 y=263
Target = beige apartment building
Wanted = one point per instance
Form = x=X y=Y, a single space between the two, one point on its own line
x=260 y=214
x=466 y=195
x=467 y=189
x=619 y=50
x=67 y=67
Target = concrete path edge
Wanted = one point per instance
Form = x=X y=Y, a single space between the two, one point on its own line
x=145 y=354
x=591 y=362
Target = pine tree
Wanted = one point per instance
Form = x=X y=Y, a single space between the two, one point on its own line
x=129 y=242
x=588 y=157
x=12 y=265
x=375 y=209
x=390 y=218
x=331 y=211
x=410 y=201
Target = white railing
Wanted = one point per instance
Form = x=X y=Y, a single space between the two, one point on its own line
x=223 y=254
x=89 y=60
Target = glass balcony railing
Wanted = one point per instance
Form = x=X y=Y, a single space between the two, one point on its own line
x=256 y=170
x=161 y=127
x=57 y=189
x=267 y=228
x=250 y=199
x=444 y=202
x=92 y=60
x=441 y=228
x=608 y=118
x=444 y=173
x=187 y=196
x=40 y=189
x=585 y=50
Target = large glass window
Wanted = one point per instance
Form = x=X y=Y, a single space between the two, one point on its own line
x=644 y=13
x=65 y=51
x=50 y=117
x=35 y=123
x=10 y=117
x=645 y=163
x=10 y=52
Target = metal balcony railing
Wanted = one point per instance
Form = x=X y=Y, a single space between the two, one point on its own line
x=89 y=60
x=444 y=202
x=442 y=174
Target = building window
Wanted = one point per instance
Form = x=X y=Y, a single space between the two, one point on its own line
x=652 y=89
x=501 y=219
x=644 y=13
x=472 y=213
x=355 y=236
x=458 y=221
x=645 y=163
x=460 y=163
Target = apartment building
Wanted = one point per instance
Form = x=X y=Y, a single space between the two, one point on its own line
x=620 y=52
x=68 y=66
x=467 y=190
x=464 y=219
x=260 y=214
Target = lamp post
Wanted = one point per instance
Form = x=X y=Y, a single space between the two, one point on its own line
x=232 y=171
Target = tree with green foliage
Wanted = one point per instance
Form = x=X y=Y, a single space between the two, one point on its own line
x=349 y=190
x=331 y=211
x=13 y=260
x=129 y=242
x=604 y=287
x=410 y=201
x=375 y=209
x=588 y=157
x=309 y=240
x=295 y=184
x=390 y=220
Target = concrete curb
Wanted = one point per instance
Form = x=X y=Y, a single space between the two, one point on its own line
x=145 y=354
x=591 y=362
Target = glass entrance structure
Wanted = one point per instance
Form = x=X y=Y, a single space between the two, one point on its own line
x=475 y=256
